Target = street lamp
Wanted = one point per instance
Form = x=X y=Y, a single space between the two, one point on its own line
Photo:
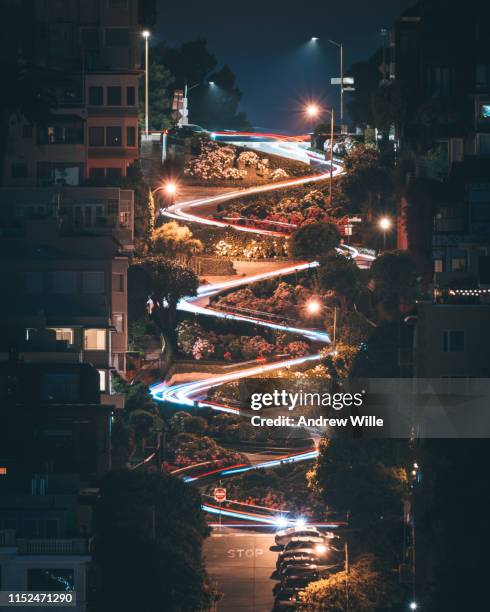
x=313 y=307
x=184 y=119
x=146 y=36
x=313 y=110
x=341 y=49
x=384 y=224
x=413 y=605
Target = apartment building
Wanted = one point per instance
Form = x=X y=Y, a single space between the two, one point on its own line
x=89 y=51
x=75 y=285
x=78 y=210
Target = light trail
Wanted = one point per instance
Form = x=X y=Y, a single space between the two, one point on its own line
x=193 y=394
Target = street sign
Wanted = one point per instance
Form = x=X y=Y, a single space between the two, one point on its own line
x=348 y=230
x=347 y=81
x=354 y=220
x=219 y=494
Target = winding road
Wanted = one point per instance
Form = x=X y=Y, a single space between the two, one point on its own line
x=195 y=393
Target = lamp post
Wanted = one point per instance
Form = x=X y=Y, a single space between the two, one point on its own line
x=312 y=110
x=146 y=36
x=184 y=119
x=341 y=49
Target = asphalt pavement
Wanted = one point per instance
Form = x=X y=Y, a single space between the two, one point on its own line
x=241 y=564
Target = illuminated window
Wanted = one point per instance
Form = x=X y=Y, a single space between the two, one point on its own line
x=438 y=267
x=95 y=339
x=102 y=380
x=3 y=471
x=63 y=333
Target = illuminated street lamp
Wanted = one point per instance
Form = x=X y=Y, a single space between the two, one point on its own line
x=313 y=307
x=146 y=36
x=385 y=225
x=313 y=110
x=413 y=605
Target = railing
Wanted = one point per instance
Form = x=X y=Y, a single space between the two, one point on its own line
x=52 y=547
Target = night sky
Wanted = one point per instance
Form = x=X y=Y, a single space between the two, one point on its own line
x=266 y=45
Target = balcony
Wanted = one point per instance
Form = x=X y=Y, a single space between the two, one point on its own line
x=68 y=546
x=77 y=546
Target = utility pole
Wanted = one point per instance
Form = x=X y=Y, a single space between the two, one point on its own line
x=146 y=36
x=331 y=153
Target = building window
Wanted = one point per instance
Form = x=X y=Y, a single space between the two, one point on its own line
x=3 y=472
x=458 y=264
x=27 y=130
x=48 y=579
x=59 y=173
x=96 y=136
x=63 y=333
x=102 y=380
x=438 y=265
x=93 y=282
x=64 y=282
x=18 y=171
x=113 y=136
x=96 y=96
x=97 y=174
x=33 y=282
x=60 y=134
x=112 y=207
x=118 y=322
x=117 y=37
x=113 y=173
x=95 y=339
x=130 y=96
x=118 y=283
x=60 y=387
x=453 y=341
x=114 y=97
x=130 y=137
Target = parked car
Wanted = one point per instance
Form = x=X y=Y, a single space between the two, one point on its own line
x=307 y=557
x=298 y=580
x=186 y=131
x=285 y=535
x=285 y=599
x=299 y=566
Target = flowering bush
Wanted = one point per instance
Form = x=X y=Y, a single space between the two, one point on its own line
x=214 y=162
x=248 y=158
x=279 y=174
x=202 y=349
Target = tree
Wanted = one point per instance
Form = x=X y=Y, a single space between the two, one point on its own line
x=175 y=241
x=367 y=479
x=364 y=586
x=314 y=240
x=367 y=77
x=192 y=64
x=367 y=179
x=160 y=83
x=149 y=530
x=164 y=283
x=342 y=275
x=144 y=423
x=394 y=279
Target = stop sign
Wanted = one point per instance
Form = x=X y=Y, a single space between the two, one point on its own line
x=220 y=494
